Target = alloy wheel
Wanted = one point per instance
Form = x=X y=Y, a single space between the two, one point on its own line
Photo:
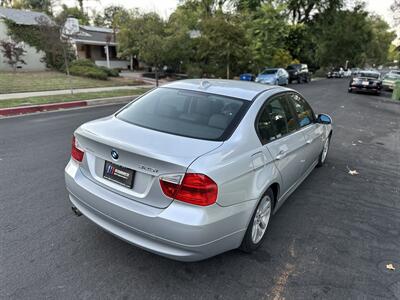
x=261 y=219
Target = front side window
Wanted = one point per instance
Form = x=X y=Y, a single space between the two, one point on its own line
x=304 y=113
x=276 y=120
x=186 y=113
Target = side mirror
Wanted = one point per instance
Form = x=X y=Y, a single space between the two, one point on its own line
x=324 y=119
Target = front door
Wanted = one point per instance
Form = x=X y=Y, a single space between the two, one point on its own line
x=313 y=132
x=278 y=129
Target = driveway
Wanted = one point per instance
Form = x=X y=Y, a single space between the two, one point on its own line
x=332 y=239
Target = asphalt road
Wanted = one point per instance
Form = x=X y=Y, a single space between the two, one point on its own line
x=332 y=238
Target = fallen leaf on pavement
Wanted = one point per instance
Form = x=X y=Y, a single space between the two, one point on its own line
x=352 y=172
x=390 y=267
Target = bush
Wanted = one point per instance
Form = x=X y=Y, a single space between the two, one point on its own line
x=87 y=68
x=83 y=63
x=91 y=72
x=194 y=71
x=110 y=72
x=320 y=73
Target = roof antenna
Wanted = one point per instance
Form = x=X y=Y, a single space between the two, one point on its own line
x=205 y=84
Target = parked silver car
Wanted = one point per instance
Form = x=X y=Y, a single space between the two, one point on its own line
x=196 y=167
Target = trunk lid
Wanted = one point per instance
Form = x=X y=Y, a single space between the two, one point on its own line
x=148 y=152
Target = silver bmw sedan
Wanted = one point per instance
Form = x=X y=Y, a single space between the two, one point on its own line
x=196 y=167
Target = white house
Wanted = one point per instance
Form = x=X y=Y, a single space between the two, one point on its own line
x=99 y=45
x=32 y=57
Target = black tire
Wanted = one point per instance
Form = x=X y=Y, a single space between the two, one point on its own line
x=248 y=244
x=350 y=90
x=290 y=81
x=322 y=159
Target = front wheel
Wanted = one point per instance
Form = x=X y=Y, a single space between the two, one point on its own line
x=324 y=153
x=255 y=232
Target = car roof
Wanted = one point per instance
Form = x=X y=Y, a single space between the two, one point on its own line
x=230 y=88
x=368 y=72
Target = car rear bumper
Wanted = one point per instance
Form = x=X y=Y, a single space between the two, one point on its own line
x=181 y=231
x=388 y=86
x=365 y=89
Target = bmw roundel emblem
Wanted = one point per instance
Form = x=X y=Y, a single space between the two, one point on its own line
x=114 y=154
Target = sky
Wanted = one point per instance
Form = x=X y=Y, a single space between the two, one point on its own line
x=166 y=7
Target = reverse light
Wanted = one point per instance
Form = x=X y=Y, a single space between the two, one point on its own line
x=194 y=188
x=76 y=152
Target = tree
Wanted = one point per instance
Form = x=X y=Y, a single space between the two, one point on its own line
x=248 y=5
x=143 y=34
x=300 y=43
x=12 y=52
x=6 y=3
x=74 y=12
x=222 y=44
x=395 y=7
x=111 y=17
x=266 y=31
x=302 y=11
x=380 y=42
x=344 y=36
x=45 y=6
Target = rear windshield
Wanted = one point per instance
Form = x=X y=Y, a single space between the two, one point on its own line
x=293 y=67
x=186 y=113
x=392 y=76
x=368 y=75
x=269 y=71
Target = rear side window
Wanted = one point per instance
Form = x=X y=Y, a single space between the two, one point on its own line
x=305 y=115
x=276 y=119
x=186 y=113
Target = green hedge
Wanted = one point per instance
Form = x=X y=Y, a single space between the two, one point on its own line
x=110 y=72
x=86 y=68
x=90 y=72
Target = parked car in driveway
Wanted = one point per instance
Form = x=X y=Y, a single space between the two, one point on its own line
x=247 y=77
x=298 y=73
x=389 y=80
x=196 y=167
x=335 y=73
x=366 y=81
x=277 y=76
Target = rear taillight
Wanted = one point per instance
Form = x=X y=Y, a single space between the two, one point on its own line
x=76 y=153
x=198 y=189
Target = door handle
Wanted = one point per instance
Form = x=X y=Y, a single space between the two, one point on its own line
x=281 y=154
x=309 y=141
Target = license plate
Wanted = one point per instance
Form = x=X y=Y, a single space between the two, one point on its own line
x=118 y=174
x=365 y=83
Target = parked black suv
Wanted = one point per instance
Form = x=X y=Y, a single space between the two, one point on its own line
x=299 y=73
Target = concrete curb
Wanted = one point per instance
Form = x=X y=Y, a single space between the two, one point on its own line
x=21 y=110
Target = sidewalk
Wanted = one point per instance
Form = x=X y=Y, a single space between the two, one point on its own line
x=65 y=92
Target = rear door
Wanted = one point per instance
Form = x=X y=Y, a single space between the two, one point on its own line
x=312 y=131
x=277 y=128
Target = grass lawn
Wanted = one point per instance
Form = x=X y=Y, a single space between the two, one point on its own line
x=67 y=98
x=49 y=80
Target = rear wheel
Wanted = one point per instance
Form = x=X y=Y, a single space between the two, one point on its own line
x=255 y=232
